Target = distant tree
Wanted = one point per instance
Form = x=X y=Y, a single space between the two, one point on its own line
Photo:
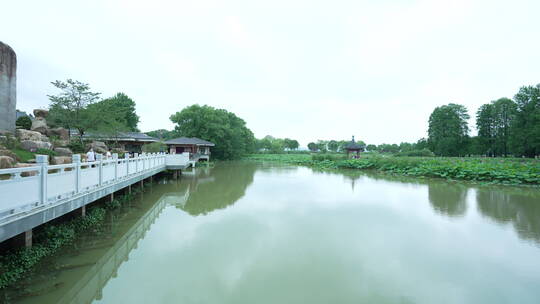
x=485 y=124
x=525 y=139
x=322 y=145
x=104 y=118
x=291 y=144
x=448 y=130
x=24 y=122
x=405 y=147
x=67 y=109
x=371 y=147
x=421 y=144
x=313 y=147
x=162 y=134
x=493 y=122
x=505 y=111
x=333 y=146
x=124 y=108
x=229 y=132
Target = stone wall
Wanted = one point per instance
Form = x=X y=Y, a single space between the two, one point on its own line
x=8 y=88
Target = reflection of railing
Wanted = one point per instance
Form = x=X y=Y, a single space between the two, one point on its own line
x=90 y=286
x=43 y=192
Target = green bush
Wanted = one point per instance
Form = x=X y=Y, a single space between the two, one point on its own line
x=154 y=147
x=24 y=122
x=76 y=146
x=24 y=155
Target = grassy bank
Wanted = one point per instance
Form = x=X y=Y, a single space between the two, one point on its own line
x=51 y=237
x=491 y=170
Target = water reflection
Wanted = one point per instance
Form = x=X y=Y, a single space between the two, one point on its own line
x=296 y=228
x=518 y=206
x=226 y=184
x=448 y=198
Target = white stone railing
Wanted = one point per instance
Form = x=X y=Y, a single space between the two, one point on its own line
x=23 y=189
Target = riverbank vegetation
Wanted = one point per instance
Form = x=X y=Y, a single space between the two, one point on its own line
x=514 y=171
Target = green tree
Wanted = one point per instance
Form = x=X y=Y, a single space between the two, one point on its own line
x=485 y=124
x=313 y=147
x=291 y=144
x=371 y=148
x=525 y=139
x=24 y=122
x=229 y=132
x=421 y=144
x=124 y=108
x=333 y=146
x=67 y=109
x=162 y=134
x=448 y=130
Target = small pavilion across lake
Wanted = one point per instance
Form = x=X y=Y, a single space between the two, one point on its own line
x=352 y=146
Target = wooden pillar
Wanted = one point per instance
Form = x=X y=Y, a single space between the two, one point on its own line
x=129 y=189
x=142 y=183
x=111 y=197
x=28 y=238
x=83 y=211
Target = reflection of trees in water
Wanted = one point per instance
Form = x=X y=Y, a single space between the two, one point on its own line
x=447 y=198
x=520 y=208
x=226 y=184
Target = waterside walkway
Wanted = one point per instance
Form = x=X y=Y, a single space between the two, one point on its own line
x=32 y=196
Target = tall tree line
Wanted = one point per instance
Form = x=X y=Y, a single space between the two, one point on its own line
x=505 y=127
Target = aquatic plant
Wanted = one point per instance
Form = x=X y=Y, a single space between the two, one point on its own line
x=489 y=170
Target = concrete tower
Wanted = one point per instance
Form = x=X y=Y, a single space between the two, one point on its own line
x=8 y=87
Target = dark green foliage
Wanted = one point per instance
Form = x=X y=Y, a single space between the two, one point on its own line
x=313 y=146
x=493 y=122
x=525 y=139
x=24 y=122
x=162 y=134
x=46 y=152
x=226 y=130
x=114 y=114
x=76 y=146
x=448 y=130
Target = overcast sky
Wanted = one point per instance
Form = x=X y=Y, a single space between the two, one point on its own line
x=301 y=69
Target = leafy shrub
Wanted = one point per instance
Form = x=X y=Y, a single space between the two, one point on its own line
x=46 y=152
x=23 y=155
x=76 y=146
x=154 y=147
x=24 y=122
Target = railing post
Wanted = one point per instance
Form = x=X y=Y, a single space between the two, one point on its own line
x=136 y=156
x=99 y=158
x=115 y=158
x=126 y=156
x=76 y=159
x=43 y=162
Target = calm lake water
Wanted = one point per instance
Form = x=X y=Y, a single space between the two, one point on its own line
x=254 y=233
